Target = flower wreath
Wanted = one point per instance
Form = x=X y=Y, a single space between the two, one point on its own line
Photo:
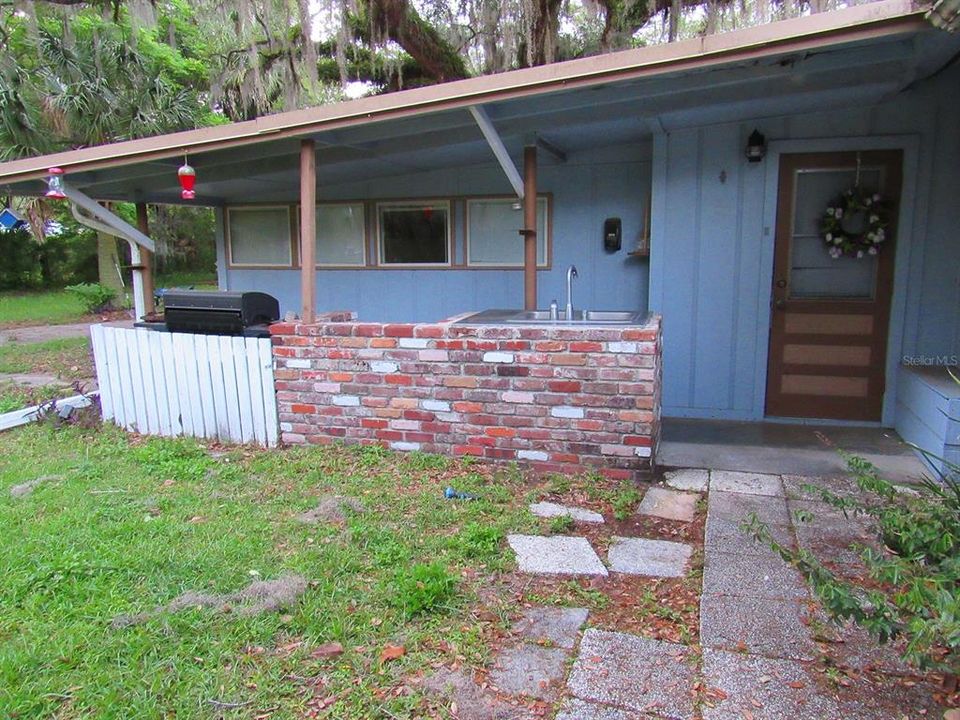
x=855 y=225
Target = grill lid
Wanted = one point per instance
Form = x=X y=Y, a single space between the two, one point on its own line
x=203 y=311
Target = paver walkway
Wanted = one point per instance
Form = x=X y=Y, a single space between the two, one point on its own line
x=44 y=333
x=760 y=629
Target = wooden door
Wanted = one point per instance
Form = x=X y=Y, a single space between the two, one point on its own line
x=829 y=321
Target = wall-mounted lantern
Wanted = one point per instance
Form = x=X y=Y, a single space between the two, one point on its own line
x=756 y=147
x=55 y=184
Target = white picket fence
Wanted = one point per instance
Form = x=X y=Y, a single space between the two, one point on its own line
x=206 y=386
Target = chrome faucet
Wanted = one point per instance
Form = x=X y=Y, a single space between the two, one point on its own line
x=571 y=274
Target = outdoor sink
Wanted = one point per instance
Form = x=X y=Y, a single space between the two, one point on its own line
x=542 y=317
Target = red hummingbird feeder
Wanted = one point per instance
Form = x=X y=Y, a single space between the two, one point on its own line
x=188 y=179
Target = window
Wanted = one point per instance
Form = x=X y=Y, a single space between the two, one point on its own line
x=493 y=232
x=414 y=233
x=260 y=236
x=341 y=236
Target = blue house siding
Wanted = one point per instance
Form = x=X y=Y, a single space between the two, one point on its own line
x=713 y=242
x=589 y=187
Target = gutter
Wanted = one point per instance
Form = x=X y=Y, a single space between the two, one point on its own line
x=889 y=17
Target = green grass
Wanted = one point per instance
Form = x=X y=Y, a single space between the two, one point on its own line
x=40 y=308
x=69 y=359
x=17 y=397
x=125 y=526
x=52 y=307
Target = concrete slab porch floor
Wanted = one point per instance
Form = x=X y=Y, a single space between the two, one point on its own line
x=781 y=448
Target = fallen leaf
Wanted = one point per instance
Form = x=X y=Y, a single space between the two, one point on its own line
x=392 y=652
x=953 y=714
x=796 y=685
x=330 y=649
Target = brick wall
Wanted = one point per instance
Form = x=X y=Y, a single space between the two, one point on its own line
x=558 y=398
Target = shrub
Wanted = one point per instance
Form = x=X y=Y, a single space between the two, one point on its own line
x=94 y=296
x=421 y=588
x=912 y=589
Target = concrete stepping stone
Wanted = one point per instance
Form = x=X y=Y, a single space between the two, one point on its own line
x=573 y=709
x=688 y=479
x=554 y=626
x=761 y=687
x=556 y=555
x=739 y=574
x=736 y=507
x=530 y=670
x=633 y=673
x=747 y=483
x=761 y=626
x=550 y=510
x=727 y=537
x=640 y=556
x=473 y=702
x=669 y=504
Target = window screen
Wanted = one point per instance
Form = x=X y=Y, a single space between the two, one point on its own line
x=260 y=236
x=340 y=234
x=415 y=234
x=493 y=232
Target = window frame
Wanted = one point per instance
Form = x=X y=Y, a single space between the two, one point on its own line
x=365 y=236
x=548 y=229
x=445 y=203
x=292 y=262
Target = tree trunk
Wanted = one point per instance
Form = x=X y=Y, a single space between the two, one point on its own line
x=108 y=262
x=544 y=25
x=397 y=20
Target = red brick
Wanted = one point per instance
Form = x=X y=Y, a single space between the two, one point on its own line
x=501 y=432
x=303 y=409
x=461 y=382
x=550 y=346
x=476 y=450
x=341 y=377
x=398 y=379
x=637 y=440
x=374 y=423
x=564 y=386
x=428 y=331
x=585 y=347
x=568 y=359
x=380 y=342
x=467 y=407
x=398 y=330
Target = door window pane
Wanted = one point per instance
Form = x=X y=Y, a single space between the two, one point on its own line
x=260 y=236
x=341 y=235
x=415 y=233
x=813 y=273
x=493 y=232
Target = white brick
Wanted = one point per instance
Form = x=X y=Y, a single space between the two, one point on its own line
x=512 y=396
x=498 y=357
x=409 y=446
x=326 y=387
x=298 y=363
x=622 y=347
x=286 y=427
x=433 y=355
x=416 y=343
x=532 y=455
x=642 y=452
x=566 y=411
x=346 y=400
x=435 y=405
x=382 y=366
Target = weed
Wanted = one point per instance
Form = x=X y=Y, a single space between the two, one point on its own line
x=180 y=459
x=480 y=541
x=561 y=524
x=421 y=588
x=424 y=461
x=624 y=500
x=558 y=484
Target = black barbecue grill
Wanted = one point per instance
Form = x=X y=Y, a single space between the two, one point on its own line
x=219 y=313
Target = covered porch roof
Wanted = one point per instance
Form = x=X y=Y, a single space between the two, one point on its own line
x=856 y=56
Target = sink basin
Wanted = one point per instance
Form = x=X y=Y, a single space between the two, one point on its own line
x=542 y=317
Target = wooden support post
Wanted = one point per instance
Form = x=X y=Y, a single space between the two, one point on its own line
x=146 y=261
x=530 y=227
x=308 y=231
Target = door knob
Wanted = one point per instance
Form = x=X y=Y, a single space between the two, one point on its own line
x=780 y=304
x=781 y=283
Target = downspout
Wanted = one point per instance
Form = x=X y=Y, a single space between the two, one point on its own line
x=140 y=306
